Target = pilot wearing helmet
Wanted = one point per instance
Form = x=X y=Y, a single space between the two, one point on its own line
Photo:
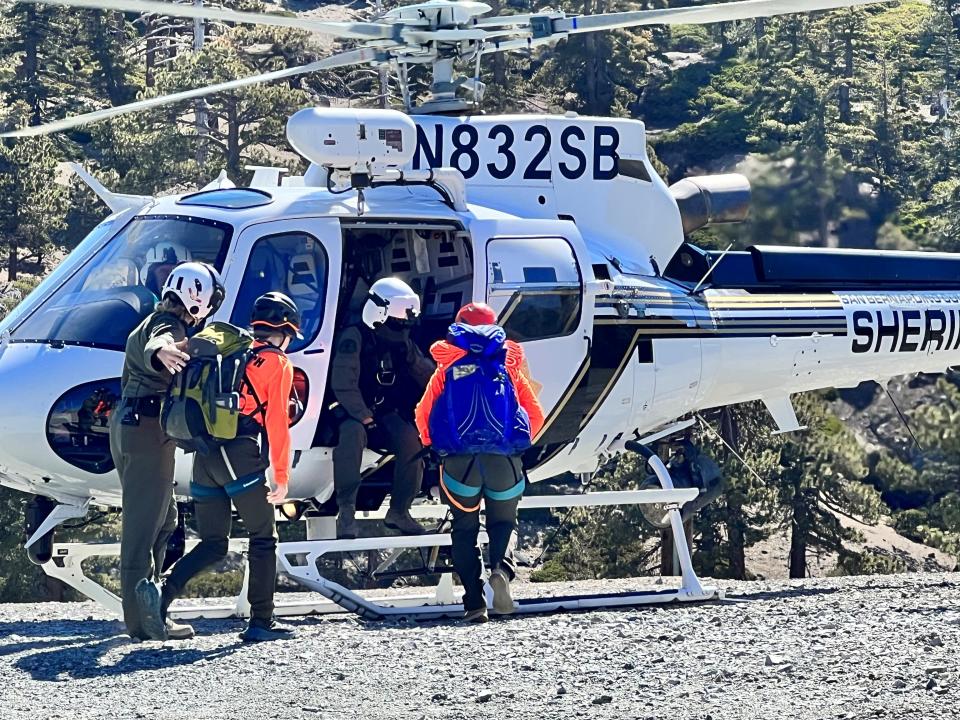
x=376 y=377
x=159 y=262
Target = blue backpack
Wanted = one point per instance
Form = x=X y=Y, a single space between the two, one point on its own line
x=478 y=411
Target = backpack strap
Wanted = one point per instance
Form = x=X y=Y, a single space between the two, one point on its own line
x=261 y=406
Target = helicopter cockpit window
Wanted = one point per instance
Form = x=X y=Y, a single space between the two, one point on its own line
x=294 y=264
x=106 y=298
x=535 y=286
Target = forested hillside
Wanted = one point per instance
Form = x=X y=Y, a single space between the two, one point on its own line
x=844 y=122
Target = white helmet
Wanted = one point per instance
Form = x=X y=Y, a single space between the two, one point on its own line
x=390 y=298
x=196 y=285
x=163 y=253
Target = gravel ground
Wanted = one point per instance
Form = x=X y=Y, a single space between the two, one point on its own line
x=868 y=647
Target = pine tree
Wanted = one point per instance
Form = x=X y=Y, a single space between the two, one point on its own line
x=597 y=73
x=32 y=208
x=819 y=478
x=50 y=70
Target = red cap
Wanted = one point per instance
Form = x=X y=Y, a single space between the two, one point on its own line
x=476 y=314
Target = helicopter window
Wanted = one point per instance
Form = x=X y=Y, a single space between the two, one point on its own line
x=294 y=264
x=228 y=199
x=119 y=285
x=78 y=425
x=69 y=265
x=535 y=286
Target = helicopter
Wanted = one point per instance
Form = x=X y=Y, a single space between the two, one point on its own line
x=559 y=222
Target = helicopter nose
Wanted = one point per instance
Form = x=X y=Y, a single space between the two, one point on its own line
x=53 y=435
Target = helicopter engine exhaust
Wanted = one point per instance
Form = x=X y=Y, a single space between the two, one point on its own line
x=712 y=200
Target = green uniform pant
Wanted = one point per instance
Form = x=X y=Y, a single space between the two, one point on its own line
x=239 y=477
x=144 y=458
x=396 y=435
x=499 y=480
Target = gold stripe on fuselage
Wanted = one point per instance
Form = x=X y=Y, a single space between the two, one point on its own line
x=564 y=399
x=766 y=301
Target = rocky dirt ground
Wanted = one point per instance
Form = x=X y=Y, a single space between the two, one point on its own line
x=868 y=647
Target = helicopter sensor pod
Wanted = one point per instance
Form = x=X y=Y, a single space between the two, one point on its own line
x=357 y=141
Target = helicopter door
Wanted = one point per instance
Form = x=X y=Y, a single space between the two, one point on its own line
x=537 y=287
x=300 y=258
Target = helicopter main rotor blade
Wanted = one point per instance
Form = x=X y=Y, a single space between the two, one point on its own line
x=359 y=30
x=700 y=15
x=353 y=57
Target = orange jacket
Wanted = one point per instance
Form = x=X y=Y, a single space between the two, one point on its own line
x=271 y=375
x=446 y=354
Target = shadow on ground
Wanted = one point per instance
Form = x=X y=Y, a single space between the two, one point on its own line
x=78 y=650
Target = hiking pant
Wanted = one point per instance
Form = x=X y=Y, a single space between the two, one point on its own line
x=499 y=481
x=215 y=484
x=391 y=432
x=144 y=458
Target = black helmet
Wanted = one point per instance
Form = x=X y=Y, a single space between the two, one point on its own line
x=276 y=311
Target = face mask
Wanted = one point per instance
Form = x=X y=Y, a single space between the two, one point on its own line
x=398 y=326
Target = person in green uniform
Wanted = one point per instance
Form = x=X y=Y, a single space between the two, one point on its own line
x=143 y=454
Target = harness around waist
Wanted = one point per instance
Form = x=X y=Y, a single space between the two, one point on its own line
x=231 y=489
x=451 y=486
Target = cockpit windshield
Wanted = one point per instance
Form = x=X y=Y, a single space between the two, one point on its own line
x=106 y=298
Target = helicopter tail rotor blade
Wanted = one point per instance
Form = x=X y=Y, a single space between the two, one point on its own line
x=353 y=57
x=700 y=15
x=358 y=30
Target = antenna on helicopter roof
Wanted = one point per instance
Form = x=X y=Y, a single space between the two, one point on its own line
x=711 y=269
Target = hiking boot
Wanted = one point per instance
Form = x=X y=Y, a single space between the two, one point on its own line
x=347 y=527
x=477 y=615
x=179 y=631
x=403 y=522
x=502 y=599
x=263 y=630
x=148 y=600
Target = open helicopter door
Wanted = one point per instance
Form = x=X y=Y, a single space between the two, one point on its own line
x=302 y=259
x=535 y=275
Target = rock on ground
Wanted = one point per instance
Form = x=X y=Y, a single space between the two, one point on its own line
x=868 y=647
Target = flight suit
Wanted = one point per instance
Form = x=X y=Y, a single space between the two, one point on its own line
x=144 y=457
x=380 y=375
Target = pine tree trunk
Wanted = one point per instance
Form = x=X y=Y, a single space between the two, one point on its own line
x=667 y=568
x=499 y=59
x=233 y=139
x=12 y=265
x=30 y=66
x=151 y=57
x=736 y=544
x=799 y=529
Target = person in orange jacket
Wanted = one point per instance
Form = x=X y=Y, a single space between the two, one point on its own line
x=237 y=474
x=479 y=413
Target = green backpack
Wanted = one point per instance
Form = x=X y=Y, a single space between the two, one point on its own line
x=202 y=408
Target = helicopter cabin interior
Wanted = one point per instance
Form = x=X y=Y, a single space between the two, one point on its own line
x=434 y=258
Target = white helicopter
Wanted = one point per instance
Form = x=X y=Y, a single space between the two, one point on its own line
x=559 y=222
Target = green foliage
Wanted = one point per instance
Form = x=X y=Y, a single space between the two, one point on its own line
x=596 y=73
x=19 y=578
x=803 y=482
x=607 y=541
x=31 y=204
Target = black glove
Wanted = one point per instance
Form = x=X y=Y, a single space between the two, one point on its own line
x=431 y=459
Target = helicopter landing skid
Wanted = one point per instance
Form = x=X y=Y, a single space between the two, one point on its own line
x=299 y=561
